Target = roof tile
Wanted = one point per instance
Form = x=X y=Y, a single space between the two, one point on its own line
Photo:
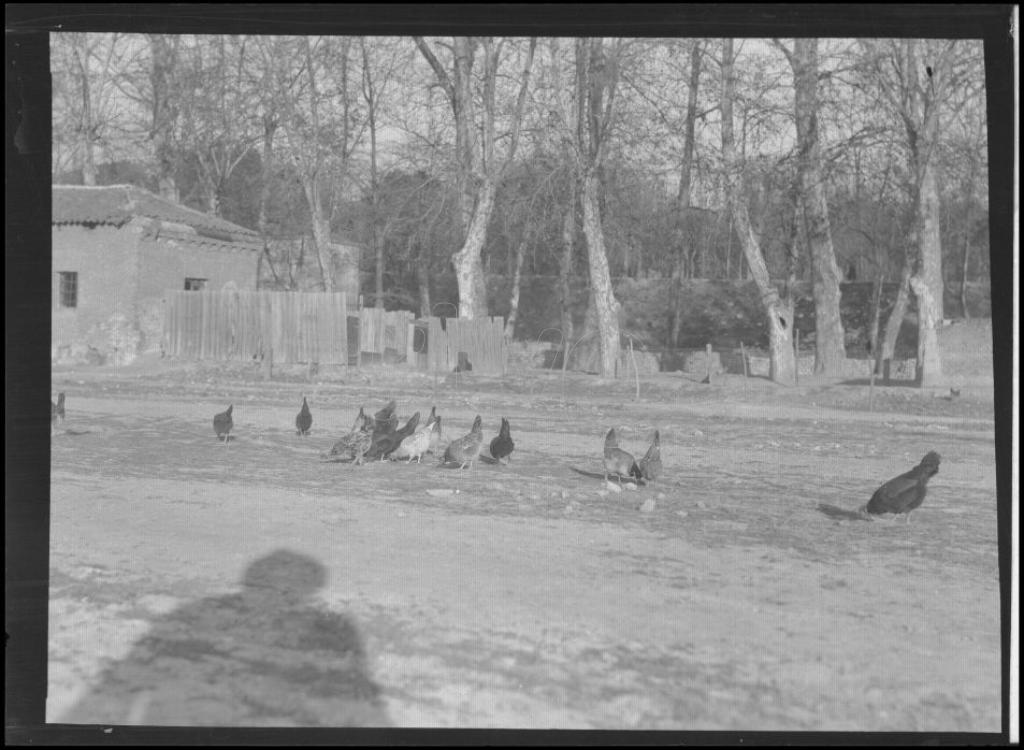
x=119 y=204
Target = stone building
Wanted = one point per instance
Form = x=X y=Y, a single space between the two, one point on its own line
x=116 y=250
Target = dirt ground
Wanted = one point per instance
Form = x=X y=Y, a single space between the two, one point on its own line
x=249 y=584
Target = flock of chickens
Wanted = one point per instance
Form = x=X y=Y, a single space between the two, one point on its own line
x=378 y=437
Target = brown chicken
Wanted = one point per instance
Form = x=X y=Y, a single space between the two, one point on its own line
x=464 y=451
x=617 y=461
x=905 y=492
x=650 y=464
x=57 y=411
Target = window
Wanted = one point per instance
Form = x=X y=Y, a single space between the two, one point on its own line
x=68 y=288
x=194 y=285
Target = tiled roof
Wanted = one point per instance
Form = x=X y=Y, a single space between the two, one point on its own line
x=119 y=204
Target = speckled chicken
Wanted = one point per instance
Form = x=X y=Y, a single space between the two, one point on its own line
x=353 y=446
x=464 y=451
x=415 y=445
x=617 y=461
x=650 y=464
x=905 y=492
x=502 y=446
x=222 y=423
x=304 y=419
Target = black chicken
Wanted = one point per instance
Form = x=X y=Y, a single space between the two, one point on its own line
x=386 y=420
x=303 y=420
x=222 y=423
x=388 y=444
x=502 y=446
x=905 y=492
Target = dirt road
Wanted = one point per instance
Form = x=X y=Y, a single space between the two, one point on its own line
x=529 y=595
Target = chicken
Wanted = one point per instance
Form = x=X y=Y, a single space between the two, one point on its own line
x=304 y=420
x=387 y=444
x=415 y=445
x=905 y=492
x=436 y=437
x=353 y=446
x=57 y=411
x=222 y=423
x=502 y=446
x=617 y=461
x=386 y=421
x=650 y=464
x=465 y=450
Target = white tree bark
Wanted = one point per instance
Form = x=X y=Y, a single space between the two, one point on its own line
x=779 y=311
x=929 y=364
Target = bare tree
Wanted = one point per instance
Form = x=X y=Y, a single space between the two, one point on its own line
x=896 y=67
x=596 y=88
x=779 y=310
x=165 y=110
x=478 y=169
x=829 y=342
x=214 y=100
x=377 y=72
x=686 y=241
x=320 y=132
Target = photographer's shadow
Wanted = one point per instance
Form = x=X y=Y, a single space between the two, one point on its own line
x=267 y=656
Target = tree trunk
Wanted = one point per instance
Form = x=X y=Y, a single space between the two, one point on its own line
x=683 y=203
x=86 y=125
x=513 y=312
x=963 y=273
x=929 y=363
x=895 y=321
x=605 y=304
x=469 y=267
x=262 y=222
x=779 y=311
x=830 y=339
x=423 y=281
x=931 y=239
x=165 y=112
x=321 y=232
x=565 y=268
x=876 y=310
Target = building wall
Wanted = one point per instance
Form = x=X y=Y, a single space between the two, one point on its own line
x=122 y=277
x=165 y=264
x=105 y=260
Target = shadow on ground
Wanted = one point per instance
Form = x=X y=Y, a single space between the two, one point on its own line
x=840 y=514
x=267 y=656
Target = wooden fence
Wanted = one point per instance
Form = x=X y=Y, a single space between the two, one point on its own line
x=380 y=331
x=482 y=339
x=240 y=325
